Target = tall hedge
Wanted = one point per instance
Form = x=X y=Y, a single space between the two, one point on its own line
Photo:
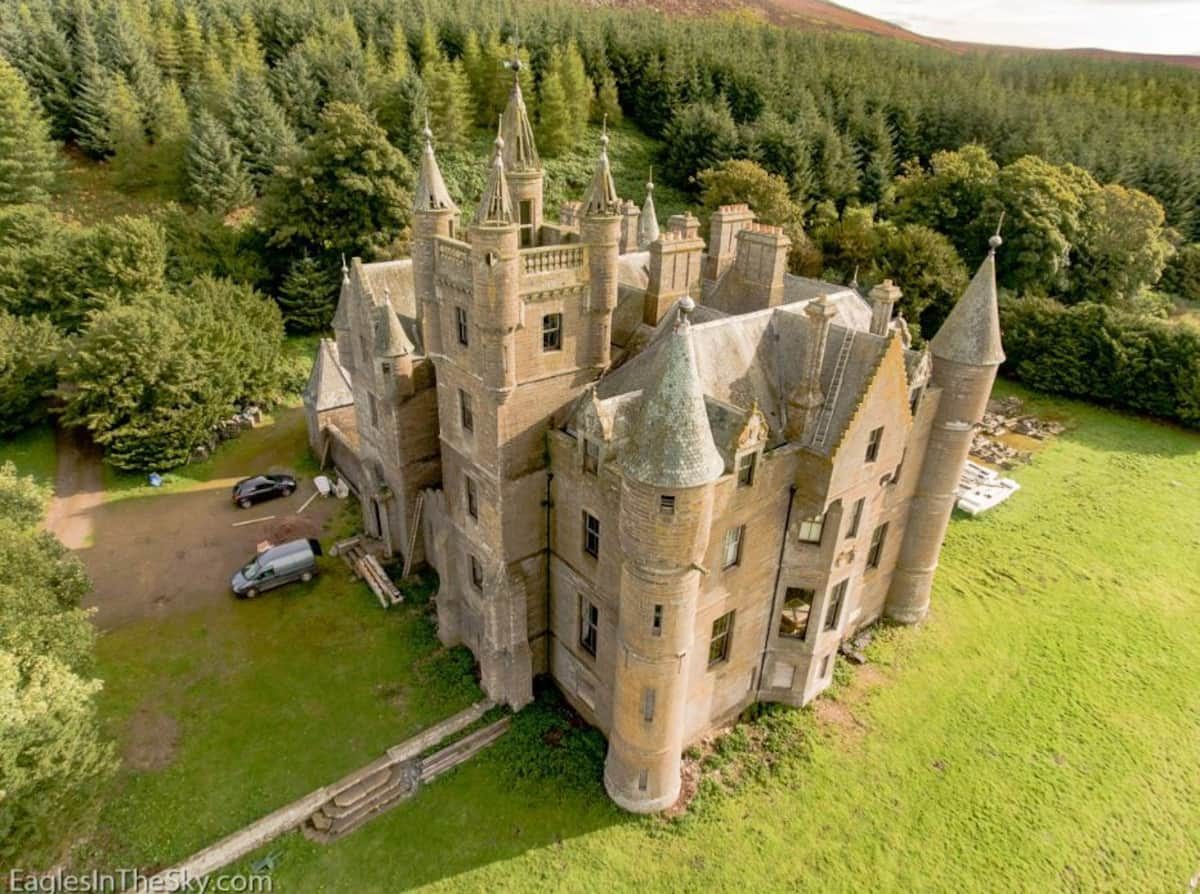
x=1093 y=352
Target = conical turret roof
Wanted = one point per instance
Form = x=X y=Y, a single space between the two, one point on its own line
x=672 y=440
x=648 y=222
x=496 y=205
x=971 y=334
x=390 y=338
x=601 y=197
x=431 y=194
x=328 y=384
x=520 y=151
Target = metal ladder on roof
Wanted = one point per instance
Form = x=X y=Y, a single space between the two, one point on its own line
x=412 y=533
x=835 y=387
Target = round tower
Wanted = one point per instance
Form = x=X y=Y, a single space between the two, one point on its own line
x=521 y=161
x=495 y=265
x=665 y=526
x=967 y=352
x=434 y=215
x=600 y=231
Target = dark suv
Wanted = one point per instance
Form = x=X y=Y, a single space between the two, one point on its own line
x=249 y=491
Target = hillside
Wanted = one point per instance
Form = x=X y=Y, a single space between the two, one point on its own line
x=821 y=15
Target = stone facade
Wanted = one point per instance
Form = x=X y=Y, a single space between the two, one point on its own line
x=673 y=478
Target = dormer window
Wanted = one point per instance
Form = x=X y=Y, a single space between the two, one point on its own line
x=747 y=465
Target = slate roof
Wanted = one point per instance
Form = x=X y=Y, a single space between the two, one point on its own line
x=393 y=280
x=759 y=357
x=648 y=223
x=328 y=385
x=671 y=444
x=971 y=333
x=390 y=338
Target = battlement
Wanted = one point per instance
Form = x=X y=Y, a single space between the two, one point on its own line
x=740 y=206
x=763 y=229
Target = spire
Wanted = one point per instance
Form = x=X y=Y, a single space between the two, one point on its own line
x=431 y=192
x=496 y=205
x=601 y=198
x=971 y=334
x=672 y=441
x=520 y=152
x=390 y=338
x=648 y=223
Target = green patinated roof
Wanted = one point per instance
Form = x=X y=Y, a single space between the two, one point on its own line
x=672 y=440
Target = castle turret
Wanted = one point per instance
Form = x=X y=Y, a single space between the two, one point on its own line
x=600 y=230
x=966 y=351
x=671 y=464
x=393 y=354
x=806 y=400
x=648 y=222
x=521 y=162
x=434 y=215
x=341 y=319
x=495 y=262
x=630 y=225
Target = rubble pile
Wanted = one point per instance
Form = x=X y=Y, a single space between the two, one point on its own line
x=230 y=427
x=1004 y=417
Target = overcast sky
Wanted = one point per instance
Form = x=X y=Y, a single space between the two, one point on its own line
x=1144 y=26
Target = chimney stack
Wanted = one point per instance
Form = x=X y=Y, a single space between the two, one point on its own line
x=883 y=298
x=761 y=262
x=674 y=267
x=727 y=221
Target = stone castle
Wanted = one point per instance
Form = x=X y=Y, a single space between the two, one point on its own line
x=672 y=476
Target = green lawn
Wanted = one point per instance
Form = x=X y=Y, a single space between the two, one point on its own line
x=32 y=451
x=1041 y=732
x=266 y=700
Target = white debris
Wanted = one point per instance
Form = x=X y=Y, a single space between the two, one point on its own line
x=980 y=489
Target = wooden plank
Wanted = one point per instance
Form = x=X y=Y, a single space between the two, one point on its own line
x=253 y=521
x=309 y=500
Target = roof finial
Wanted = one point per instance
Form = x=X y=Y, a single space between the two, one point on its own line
x=604 y=131
x=427 y=133
x=686 y=306
x=499 y=142
x=995 y=241
x=515 y=63
x=345 y=269
x=854 y=279
x=650 y=180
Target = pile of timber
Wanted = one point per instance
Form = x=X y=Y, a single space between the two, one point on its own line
x=367 y=567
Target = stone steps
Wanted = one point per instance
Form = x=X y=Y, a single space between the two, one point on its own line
x=399 y=774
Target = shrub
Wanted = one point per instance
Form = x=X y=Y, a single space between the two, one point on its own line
x=1095 y=352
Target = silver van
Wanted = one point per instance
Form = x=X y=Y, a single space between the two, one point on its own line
x=279 y=565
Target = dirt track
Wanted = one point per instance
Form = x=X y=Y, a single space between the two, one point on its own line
x=168 y=551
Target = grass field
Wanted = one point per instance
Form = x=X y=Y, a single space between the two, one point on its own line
x=32 y=451
x=1041 y=732
x=225 y=714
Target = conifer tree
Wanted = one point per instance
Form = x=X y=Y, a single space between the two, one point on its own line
x=307 y=295
x=347 y=191
x=608 y=104
x=171 y=131
x=91 y=112
x=166 y=50
x=449 y=102
x=191 y=45
x=257 y=125
x=217 y=178
x=579 y=91
x=127 y=132
x=556 y=129
x=28 y=158
x=430 y=52
x=28 y=345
